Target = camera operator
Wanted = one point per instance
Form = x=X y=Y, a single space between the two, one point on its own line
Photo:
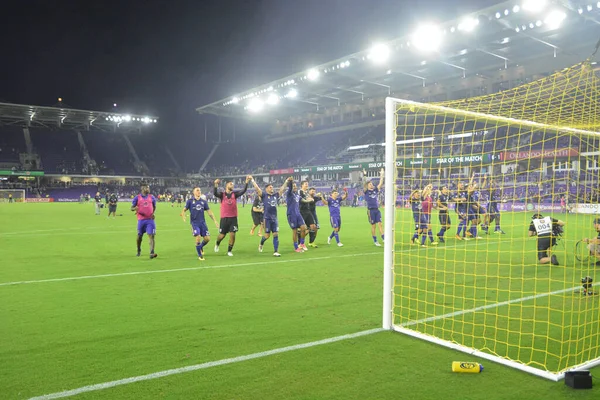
x=594 y=243
x=546 y=229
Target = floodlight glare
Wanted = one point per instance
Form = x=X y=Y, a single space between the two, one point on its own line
x=555 y=19
x=292 y=93
x=534 y=5
x=255 y=105
x=273 y=99
x=468 y=24
x=428 y=38
x=312 y=74
x=516 y=9
x=379 y=53
x=235 y=100
x=589 y=7
x=127 y=118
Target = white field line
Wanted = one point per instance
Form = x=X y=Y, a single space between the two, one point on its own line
x=159 y=271
x=176 y=371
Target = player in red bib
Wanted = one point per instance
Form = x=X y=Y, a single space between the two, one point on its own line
x=229 y=212
x=144 y=205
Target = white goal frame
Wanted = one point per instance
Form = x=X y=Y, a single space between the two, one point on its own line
x=16 y=199
x=390 y=219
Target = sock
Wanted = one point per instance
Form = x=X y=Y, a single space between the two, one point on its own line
x=229 y=248
x=375 y=239
x=441 y=232
x=301 y=240
x=276 y=243
x=460 y=227
x=199 y=250
x=296 y=245
x=312 y=235
x=415 y=236
x=423 y=238
x=337 y=237
x=263 y=240
x=151 y=251
x=382 y=237
x=474 y=231
x=430 y=234
x=332 y=235
x=219 y=242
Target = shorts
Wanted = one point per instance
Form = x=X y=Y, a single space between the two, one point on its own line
x=424 y=221
x=271 y=226
x=146 y=226
x=374 y=215
x=200 y=229
x=308 y=218
x=295 y=221
x=336 y=222
x=445 y=219
x=493 y=209
x=543 y=244
x=112 y=208
x=257 y=218
x=472 y=215
x=462 y=215
x=228 y=224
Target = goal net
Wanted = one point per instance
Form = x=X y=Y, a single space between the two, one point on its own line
x=468 y=186
x=17 y=195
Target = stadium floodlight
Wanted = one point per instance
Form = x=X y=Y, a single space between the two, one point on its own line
x=292 y=94
x=273 y=99
x=534 y=5
x=498 y=15
x=555 y=19
x=127 y=118
x=468 y=24
x=313 y=74
x=379 y=53
x=255 y=105
x=114 y=104
x=235 y=100
x=516 y=9
x=428 y=38
x=155 y=121
x=589 y=7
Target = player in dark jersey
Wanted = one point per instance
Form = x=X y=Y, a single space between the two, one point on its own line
x=474 y=210
x=295 y=220
x=312 y=234
x=373 y=212
x=229 y=212
x=544 y=228
x=461 y=210
x=306 y=200
x=257 y=216
x=113 y=199
x=444 y=216
x=270 y=200
x=197 y=206
x=493 y=210
x=334 y=203
x=415 y=205
x=425 y=216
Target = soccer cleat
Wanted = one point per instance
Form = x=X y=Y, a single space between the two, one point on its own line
x=478 y=237
x=340 y=244
x=313 y=245
x=276 y=254
x=434 y=243
x=554 y=260
x=441 y=240
x=377 y=244
x=423 y=245
x=230 y=254
x=299 y=250
x=260 y=248
x=201 y=258
x=139 y=253
x=216 y=248
x=303 y=247
x=153 y=255
x=469 y=234
x=328 y=240
x=458 y=237
x=466 y=238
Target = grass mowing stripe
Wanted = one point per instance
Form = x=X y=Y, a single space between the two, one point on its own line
x=190 y=368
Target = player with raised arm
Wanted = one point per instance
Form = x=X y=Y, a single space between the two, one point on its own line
x=334 y=203
x=229 y=212
x=197 y=205
x=257 y=215
x=461 y=210
x=544 y=228
x=292 y=199
x=312 y=234
x=306 y=201
x=442 y=204
x=144 y=205
x=373 y=212
x=270 y=199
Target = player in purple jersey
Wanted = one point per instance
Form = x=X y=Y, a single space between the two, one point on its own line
x=197 y=205
x=373 y=212
x=334 y=203
x=144 y=205
x=270 y=199
x=292 y=199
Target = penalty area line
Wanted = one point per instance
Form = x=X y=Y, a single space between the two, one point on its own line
x=196 y=367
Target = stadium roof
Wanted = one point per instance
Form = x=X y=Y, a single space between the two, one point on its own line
x=68 y=118
x=499 y=37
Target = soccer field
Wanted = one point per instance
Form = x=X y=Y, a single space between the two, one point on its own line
x=78 y=309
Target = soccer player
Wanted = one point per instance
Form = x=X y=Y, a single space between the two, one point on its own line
x=474 y=210
x=295 y=220
x=270 y=200
x=197 y=206
x=10 y=198
x=334 y=202
x=415 y=205
x=461 y=211
x=229 y=212
x=257 y=215
x=594 y=243
x=493 y=211
x=373 y=212
x=306 y=201
x=442 y=204
x=98 y=202
x=425 y=216
x=543 y=227
x=312 y=234
x=112 y=205
x=144 y=205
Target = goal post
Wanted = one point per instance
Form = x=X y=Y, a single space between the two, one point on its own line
x=18 y=195
x=492 y=289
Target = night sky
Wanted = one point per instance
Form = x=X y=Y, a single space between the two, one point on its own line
x=168 y=57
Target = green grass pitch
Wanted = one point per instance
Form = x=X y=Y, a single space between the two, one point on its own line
x=58 y=334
